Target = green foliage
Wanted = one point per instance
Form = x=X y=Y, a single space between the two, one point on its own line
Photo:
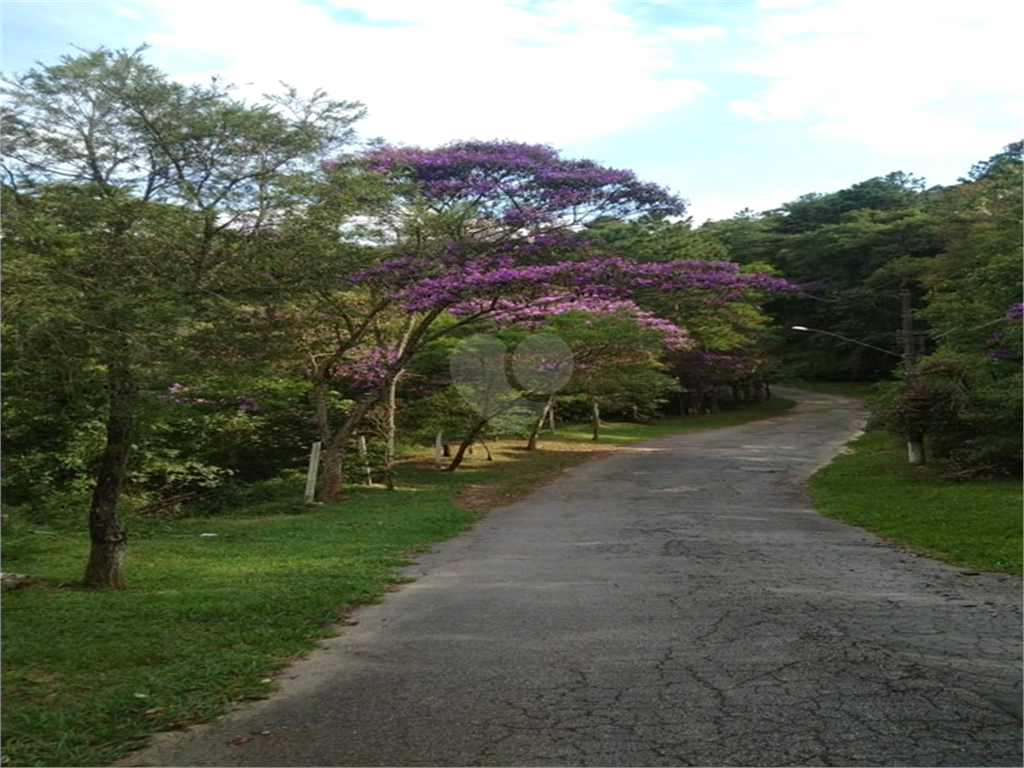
x=967 y=396
x=957 y=250
x=136 y=210
x=969 y=409
x=748 y=238
x=616 y=361
x=977 y=276
x=658 y=240
x=893 y=192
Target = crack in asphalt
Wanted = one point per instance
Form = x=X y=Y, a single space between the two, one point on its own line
x=679 y=604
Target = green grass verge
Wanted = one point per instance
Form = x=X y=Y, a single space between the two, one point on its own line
x=974 y=524
x=207 y=619
x=859 y=390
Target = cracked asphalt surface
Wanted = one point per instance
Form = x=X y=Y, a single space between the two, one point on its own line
x=678 y=603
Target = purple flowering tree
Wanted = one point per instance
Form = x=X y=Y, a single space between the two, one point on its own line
x=478 y=231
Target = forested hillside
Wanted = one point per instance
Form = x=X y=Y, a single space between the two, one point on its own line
x=907 y=282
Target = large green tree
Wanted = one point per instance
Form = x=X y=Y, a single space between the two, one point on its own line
x=966 y=395
x=133 y=202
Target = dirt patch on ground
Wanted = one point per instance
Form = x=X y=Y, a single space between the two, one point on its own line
x=526 y=480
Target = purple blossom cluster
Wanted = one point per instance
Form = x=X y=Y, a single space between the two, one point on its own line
x=365 y=368
x=421 y=284
x=519 y=255
x=519 y=184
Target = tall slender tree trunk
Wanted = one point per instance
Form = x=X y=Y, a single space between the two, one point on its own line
x=467 y=441
x=389 y=436
x=595 y=417
x=531 y=443
x=107 y=536
x=391 y=403
x=335 y=440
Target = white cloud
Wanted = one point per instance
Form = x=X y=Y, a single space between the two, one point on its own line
x=695 y=34
x=771 y=5
x=437 y=71
x=879 y=73
x=1015 y=107
x=912 y=132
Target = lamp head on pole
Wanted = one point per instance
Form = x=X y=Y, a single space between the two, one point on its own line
x=800 y=328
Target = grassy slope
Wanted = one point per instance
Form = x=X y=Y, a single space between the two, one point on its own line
x=206 y=620
x=975 y=524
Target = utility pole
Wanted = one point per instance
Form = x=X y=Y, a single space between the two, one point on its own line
x=915 y=441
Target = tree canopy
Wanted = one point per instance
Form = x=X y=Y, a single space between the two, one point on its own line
x=176 y=257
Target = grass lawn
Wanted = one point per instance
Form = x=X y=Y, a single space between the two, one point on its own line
x=215 y=605
x=975 y=524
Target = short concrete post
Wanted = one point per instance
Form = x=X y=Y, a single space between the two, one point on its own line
x=438 y=449
x=314 y=466
x=366 y=459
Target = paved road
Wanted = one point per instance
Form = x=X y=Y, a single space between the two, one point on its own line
x=676 y=604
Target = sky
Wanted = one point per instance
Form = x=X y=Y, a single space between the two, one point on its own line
x=731 y=105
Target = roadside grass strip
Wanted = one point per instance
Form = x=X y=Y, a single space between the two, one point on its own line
x=215 y=605
x=974 y=524
x=857 y=390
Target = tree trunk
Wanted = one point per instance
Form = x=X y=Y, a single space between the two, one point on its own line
x=335 y=440
x=467 y=441
x=334 y=448
x=106 y=535
x=389 y=436
x=333 y=474
x=389 y=424
x=595 y=419
x=531 y=443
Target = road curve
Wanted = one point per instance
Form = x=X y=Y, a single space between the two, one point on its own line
x=678 y=603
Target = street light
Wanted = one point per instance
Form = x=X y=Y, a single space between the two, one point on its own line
x=846 y=338
x=915 y=445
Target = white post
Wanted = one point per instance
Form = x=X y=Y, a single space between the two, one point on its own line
x=314 y=466
x=366 y=459
x=438 y=449
x=915 y=452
